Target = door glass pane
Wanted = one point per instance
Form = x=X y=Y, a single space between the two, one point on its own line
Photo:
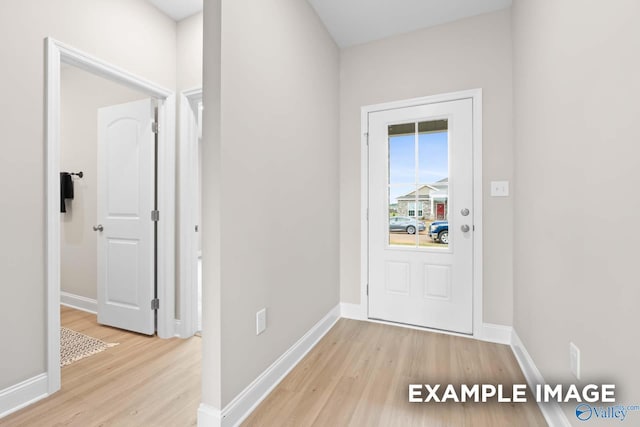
x=433 y=175
x=418 y=183
x=404 y=224
x=402 y=154
x=433 y=149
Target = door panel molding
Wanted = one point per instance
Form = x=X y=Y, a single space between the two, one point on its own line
x=476 y=97
x=58 y=53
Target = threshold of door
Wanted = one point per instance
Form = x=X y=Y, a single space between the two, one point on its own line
x=420 y=328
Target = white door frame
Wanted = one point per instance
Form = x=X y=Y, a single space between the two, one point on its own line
x=476 y=96
x=188 y=184
x=58 y=53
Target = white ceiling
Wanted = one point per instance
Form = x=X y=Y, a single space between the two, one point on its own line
x=178 y=9
x=352 y=22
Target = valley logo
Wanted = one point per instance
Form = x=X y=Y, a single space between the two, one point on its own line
x=585 y=412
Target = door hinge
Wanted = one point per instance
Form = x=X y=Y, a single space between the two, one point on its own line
x=367 y=214
x=154 y=127
x=155 y=216
x=367 y=289
x=366 y=135
x=155 y=304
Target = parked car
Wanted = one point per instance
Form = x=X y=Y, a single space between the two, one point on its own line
x=404 y=223
x=439 y=232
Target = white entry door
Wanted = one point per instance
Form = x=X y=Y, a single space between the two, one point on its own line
x=420 y=215
x=126 y=185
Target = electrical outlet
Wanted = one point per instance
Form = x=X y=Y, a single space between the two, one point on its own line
x=261 y=321
x=574 y=360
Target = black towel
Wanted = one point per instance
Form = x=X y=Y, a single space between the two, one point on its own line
x=66 y=189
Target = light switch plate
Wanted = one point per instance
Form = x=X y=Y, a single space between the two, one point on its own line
x=261 y=321
x=499 y=188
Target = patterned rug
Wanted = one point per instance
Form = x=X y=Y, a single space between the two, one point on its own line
x=75 y=346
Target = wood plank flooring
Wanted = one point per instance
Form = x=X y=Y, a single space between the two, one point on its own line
x=358 y=375
x=144 y=381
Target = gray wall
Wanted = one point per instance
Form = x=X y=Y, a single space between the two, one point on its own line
x=576 y=113
x=111 y=30
x=211 y=207
x=279 y=149
x=189 y=53
x=467 y=54
x=82 y=94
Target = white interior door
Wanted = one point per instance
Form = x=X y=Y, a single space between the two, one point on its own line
x=126 y=184
x=421 y=171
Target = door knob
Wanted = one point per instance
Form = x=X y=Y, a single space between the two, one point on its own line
x=465 y=228
x=98 y=227
x=464 y=212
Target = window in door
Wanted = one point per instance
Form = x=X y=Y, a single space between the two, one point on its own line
x=418 y=184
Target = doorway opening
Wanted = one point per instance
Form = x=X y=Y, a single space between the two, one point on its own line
x=108 y=239
x=190 y=178
x=162 y=173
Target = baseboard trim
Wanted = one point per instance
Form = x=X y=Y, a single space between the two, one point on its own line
x=551 y=411
x=23 y=394
x=78 y=302
x=352 y=311
x=499 y=334
x=245 y=402
x=208 y=416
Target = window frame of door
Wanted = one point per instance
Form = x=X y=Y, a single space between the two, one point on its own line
x=58 y=53
x=476 y=96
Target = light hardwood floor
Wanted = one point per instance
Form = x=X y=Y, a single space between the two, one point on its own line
x=358 y=375
x=144 y=381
